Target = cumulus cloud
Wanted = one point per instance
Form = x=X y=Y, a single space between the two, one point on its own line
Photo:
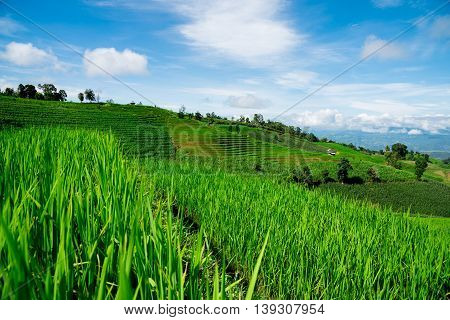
x=27 y=55
x=115 y=62
x=387 y=3
x=248 y=101
x=9 y=27
x=321 y=118
x=391 y=51
x=415 y=132
x=297 y=80
x=393 y=98
x=241 y=30
x=332 y=119
x=6 y=83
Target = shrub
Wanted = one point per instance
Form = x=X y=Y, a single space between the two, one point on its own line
x=344 y=167
x=373 y=175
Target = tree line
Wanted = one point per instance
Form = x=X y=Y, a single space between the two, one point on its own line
x=399 y=151
x=256 y=121
x=47 y=91
x=303 y=175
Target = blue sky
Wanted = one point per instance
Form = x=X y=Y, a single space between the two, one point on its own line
x=243 y=57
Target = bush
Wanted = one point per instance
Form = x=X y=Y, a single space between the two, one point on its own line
x=344 y=167
x=421 y=166
x=373 y=175
x=303 y=176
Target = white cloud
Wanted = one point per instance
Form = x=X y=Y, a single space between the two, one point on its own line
x=387 y=3
x=114 y=62
x=27 y=55
x=4 y=83
x=248 y=101
x=392 y=98
x=332 y=119
x=9 y=27
x=441 y=27
x=320 y=119
x=240 y=30
x=391 y=51
x=415 y=132
x=297 y=80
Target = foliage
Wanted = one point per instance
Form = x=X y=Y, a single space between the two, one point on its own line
x=393 y=159
x=83 y=226
x=421 y=165
x=258 y=119
x=89 y=95
x=28 y=91
x=343 y=168
x=400 y=149
x=8 y=92
x=302 y=176
x=325 y=176
x=81 y=97
x=320 y=246
x=198 y=116
x=417 y=197
x=141 y=130
x=372 y=175
x=182 y=112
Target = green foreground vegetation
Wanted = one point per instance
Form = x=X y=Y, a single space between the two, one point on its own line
x=109 y=201
x=417 y=197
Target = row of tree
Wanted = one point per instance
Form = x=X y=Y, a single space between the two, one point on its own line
x=47 y=91
x=304 y=175
x=87 y=95
x=256 y=121
x=399 y=151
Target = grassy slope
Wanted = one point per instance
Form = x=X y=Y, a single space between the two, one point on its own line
x=418 y=197
x=153 y=131
x=307 y=216
x=142 y=130
x=87 y=224
x=320 y=246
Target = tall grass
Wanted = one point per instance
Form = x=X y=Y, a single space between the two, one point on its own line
x=77 y=223
x=320 y=246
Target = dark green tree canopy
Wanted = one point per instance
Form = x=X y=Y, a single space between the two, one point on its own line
x=344 y=167
x=421 y=165
x=401 y=149
x=89 y=95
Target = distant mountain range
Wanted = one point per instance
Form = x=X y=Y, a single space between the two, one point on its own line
x=437 y=145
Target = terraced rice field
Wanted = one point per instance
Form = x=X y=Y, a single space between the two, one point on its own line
x=142 y=130
x=105 y=216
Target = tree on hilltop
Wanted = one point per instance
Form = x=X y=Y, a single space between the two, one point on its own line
x=49 y=91
x=9 y=92
x=401 y=149
x=421 y=166
x=89 y=95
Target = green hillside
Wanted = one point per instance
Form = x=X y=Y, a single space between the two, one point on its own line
x=128 y=201
x=150 y=131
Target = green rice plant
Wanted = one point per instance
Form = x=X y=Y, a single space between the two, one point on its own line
x=78 y=221
x=320 y=247
x=417 y=197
